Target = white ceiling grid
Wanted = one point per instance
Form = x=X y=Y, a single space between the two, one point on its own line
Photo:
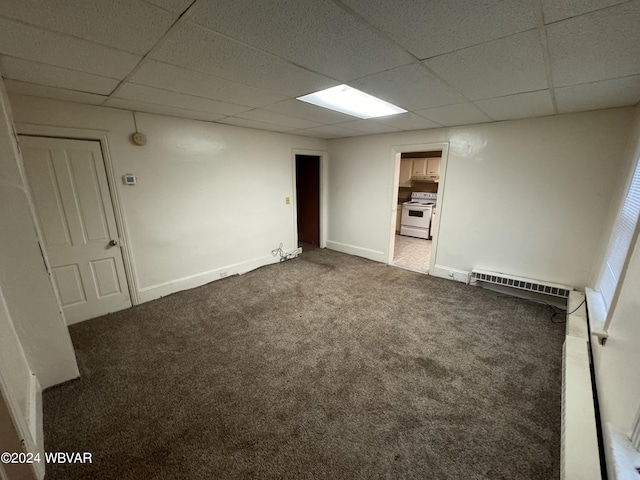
x=242 y=62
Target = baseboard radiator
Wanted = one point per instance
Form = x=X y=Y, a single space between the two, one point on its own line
x=580 y=455
x=520 y=283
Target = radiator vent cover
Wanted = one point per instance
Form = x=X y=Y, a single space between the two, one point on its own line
x=527 y=284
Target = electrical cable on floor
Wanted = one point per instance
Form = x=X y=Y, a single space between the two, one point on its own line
x=283 y=256
x=558 y=311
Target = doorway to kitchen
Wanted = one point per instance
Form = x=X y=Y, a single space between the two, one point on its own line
x=416 y=207
x=308 y=200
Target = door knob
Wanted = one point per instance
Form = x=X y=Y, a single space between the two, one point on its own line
x=113 y=243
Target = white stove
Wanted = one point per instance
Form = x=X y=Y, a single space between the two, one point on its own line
x=417 y=215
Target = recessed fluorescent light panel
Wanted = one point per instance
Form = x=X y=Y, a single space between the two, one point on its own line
x=348 y=100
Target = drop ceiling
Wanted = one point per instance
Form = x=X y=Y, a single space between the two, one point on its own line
x=243 y=62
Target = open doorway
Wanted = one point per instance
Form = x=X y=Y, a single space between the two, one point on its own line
x=308 y=200
x=417 y=203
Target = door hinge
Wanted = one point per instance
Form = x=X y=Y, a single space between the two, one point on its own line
x=46 y=267
x=15 y=136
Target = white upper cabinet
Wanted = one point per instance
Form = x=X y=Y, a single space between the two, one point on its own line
x=406 y=172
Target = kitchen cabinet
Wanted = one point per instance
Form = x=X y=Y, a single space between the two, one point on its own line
x=433 y=167
x=398 y=217
x=406 y=165
x=419 y=167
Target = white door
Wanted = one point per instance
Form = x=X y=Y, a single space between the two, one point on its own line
x=71 y=195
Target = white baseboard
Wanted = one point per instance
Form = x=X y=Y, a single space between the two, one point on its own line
x=357 y=251
x=450 y=273
x=154 y=292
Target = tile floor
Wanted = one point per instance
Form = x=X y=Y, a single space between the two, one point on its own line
x=412 y=253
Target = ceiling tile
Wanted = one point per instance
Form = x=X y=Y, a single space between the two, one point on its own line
x=328 y=131
x=452 y=115
x=176 y=79
x=618 y=92
x=146 y=94
x=40 y=73
x=297 y=108
x=318 y=35
x=175 y=6
x=278 y=119
x=555 y=10
x=31 y=43
x=133 y=26
x=220 y=56
x=410 y=87
x=369 y=126
x=531 y=104
x=408 y=121
x=429 y=28
x=245 y=122
x=23 y=88
x=161 y=110
x=596 y=46
x=502 y=67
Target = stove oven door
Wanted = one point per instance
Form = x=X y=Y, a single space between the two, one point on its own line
x=416 y=216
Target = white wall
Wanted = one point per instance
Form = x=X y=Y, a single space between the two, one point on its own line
x=24 y=282
x=525 y=197
x=210 y=198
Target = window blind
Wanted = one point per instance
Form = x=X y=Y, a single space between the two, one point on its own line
x=621 y=239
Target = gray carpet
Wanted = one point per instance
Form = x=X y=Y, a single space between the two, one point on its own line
x=328 y=366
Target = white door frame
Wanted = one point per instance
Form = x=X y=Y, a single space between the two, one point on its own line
x=324 y=186
x=101 y=136
x=396 y=153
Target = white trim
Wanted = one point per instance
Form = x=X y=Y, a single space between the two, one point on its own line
x=21 y=425
x=597 y=314
x=101 y=136
x=154 y=292
x=449 y=273
x=396 y=153
x=324 y=192
x=375 y=255
x=621 y=457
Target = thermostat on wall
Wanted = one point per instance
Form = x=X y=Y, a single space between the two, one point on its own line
x=129 y=179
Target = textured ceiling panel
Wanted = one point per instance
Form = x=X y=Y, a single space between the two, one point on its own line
x=146 y=94
x=329 y=131
x=175 y=6
x=132 y=25
x=369 y=126
x=555 y=10
x=20 y=40
x=407 y=121
x=431 y=27
x=318 y=35
x=451 y=115
x=618 y=92
x=169 y=77
x=23 y=88
x=297 y=108
x=248 y=123
x=278 y=119
x=596 y=46
x=448 y=63
x=524 y=105
x=510 y=65
x=27 y=71
x=410 y=87
x=220 y=56
x=161 y=110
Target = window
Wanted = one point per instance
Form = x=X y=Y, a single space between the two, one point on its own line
x=620 y=240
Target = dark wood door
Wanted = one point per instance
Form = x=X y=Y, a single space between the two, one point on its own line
x=308 y=198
